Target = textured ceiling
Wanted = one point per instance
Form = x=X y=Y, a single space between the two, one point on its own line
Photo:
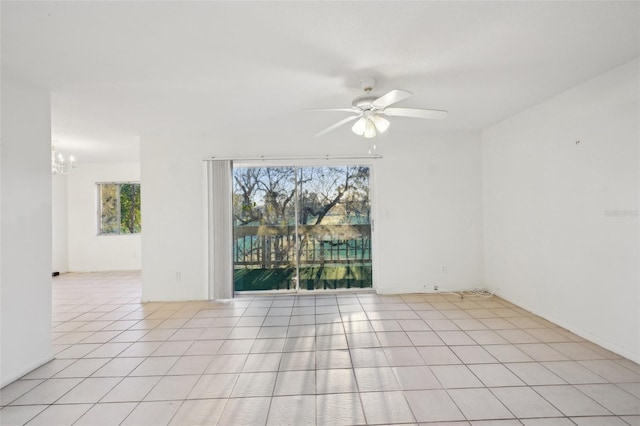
x=121 y=70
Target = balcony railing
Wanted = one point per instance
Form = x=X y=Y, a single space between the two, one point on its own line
x=329 y=256
x=271 y=246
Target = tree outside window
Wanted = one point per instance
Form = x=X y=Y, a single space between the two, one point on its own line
x=119 y=208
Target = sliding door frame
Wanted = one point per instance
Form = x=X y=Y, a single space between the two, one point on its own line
x=322 y=162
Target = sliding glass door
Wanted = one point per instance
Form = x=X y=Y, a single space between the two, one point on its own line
x=301 y=228
x=264 y=237
x=334 y=227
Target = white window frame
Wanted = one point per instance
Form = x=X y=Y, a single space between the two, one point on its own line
x=118 y=214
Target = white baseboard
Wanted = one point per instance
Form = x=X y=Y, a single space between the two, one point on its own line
x=582 y=333
x=26 y=370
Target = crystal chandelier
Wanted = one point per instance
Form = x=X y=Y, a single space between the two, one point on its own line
x=60 y=165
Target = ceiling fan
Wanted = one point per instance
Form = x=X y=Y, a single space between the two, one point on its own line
x=370 y=108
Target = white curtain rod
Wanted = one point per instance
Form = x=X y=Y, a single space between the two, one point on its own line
x=320 y=157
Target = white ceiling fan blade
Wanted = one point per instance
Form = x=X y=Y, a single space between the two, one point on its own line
x=338 y=124
x=391 y=98
x=433 y=114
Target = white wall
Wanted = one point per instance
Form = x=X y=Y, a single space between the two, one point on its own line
x=429 y=199
x=428 y=192
x=89 y=251
x=551 y=243
x=60 y=255
x=25 y=227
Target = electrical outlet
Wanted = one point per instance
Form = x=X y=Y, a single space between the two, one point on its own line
x=435 y=287
x=178 y=276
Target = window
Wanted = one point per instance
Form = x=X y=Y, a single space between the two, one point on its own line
x=119 y=208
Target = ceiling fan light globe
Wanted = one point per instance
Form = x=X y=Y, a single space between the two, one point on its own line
x=369 y=129
x=359 y=127
x=382 y=124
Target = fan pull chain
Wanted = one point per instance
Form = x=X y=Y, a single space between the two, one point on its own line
x=372 y=146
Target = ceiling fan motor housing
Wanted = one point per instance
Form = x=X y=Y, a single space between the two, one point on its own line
x=364 y=102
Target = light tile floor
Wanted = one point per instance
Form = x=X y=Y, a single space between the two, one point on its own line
x=313 y=359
